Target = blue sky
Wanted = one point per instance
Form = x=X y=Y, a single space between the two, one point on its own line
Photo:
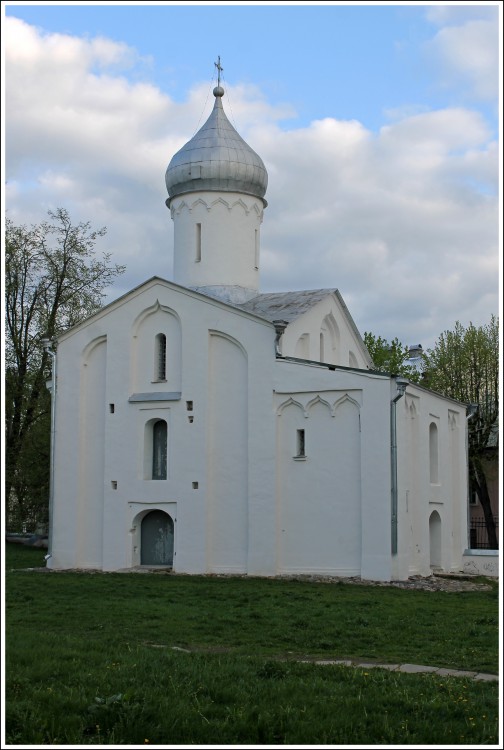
x=378 y=125
x=346 y=61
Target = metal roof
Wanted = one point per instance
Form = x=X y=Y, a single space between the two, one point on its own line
x=288 y=306
x=285 y=305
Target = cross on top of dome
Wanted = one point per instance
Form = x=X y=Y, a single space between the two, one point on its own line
x=217 y=158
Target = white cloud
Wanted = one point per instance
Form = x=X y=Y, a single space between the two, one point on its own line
x=467 y=55
x=460 y=13
x=27 y=46
x=403 y=222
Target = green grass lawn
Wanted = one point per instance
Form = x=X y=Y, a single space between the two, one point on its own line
x=95 y=659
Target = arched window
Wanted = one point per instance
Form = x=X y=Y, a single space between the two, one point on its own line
x=160 y=358
x=159 y=449
x=433 y=453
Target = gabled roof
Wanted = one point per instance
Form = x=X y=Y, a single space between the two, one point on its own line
x=124 y=299
x=289 y=306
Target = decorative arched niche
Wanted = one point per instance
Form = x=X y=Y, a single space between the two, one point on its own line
x=411 y=406
x=352 y=360
x=89 y=348
x=290 y=402
x=345 y=400
x=329 y=340
x=157 y=349
x=302 y=349
x=318 y=401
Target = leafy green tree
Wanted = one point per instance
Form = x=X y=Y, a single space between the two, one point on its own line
x=53 y=280
x=391 y=357
x=464 y=365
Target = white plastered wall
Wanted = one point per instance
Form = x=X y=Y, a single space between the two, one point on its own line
x=324 y=334
x=423 y=492
x=105 y=370
x=130 y=327
x=217 y=239
x=337 y=500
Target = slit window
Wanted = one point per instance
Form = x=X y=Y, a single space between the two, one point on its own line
x=159 y=449
x=300 y=444
x=433 y=453
x=198 y=243
x=256 y=250
x=160 y=357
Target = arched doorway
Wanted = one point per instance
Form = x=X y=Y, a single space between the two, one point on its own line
x=435 y=539
x=156 y=546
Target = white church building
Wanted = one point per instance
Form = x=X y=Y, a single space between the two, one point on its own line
x=205 y=427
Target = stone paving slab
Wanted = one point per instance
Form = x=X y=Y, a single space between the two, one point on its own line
x=416 y=668
x=455 y=673
x=340 y=662
x=407 y=668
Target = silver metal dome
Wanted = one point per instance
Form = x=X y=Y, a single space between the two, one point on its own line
x=217 y=158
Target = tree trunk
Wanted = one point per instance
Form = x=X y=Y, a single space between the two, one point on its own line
x=481 y=488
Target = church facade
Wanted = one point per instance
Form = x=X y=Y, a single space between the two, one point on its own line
x=208 y=428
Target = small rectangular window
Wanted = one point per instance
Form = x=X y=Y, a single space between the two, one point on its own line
x=189 y=405
x=195 y=485
x=300 y=444
x=114 y=485
x=198 y=243
x=112 y=408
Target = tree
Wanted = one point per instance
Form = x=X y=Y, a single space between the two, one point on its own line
x=53 y=280
x=464 y=365
x=391 y=357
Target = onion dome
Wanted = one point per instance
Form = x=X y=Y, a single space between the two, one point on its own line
x=217 y=158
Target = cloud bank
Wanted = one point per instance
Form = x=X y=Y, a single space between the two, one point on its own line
x=404 y=222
